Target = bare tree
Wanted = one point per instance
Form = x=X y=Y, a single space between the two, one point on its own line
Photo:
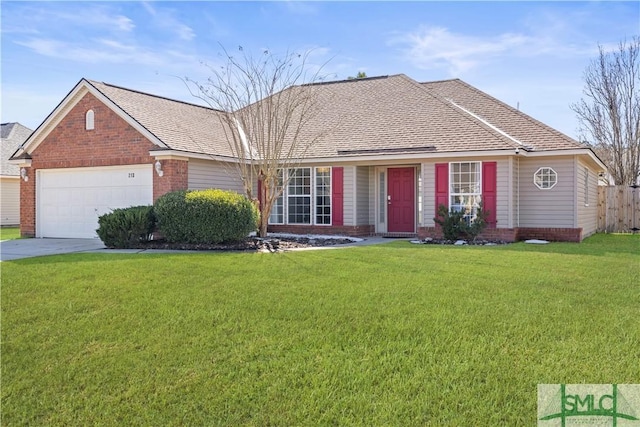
x=610 y=112
x=266 y=104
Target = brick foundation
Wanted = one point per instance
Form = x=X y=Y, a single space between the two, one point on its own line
x=516 y=234
x=345 y=230
x=504 y=234
x=551 y=234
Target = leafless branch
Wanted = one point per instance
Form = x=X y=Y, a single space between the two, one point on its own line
x=610 y=111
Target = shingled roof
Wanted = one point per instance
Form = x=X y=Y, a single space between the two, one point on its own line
x=180 y=125
x=12 y=136
x=394 y=114
x=358 y=117
x=525 y=129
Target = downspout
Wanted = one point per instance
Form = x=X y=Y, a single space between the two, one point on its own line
x=517 y=188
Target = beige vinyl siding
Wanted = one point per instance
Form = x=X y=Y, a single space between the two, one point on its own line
x=515 y=186
x=205 y=174
x=362 y=195
x=428 y=171
x=587 y=191
x=553 y=207
x=10 y=201
x=349 y=202
x=372 y=195
x=503 y=214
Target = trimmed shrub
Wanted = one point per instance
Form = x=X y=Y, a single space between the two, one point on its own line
x=123 y=228
x=451 y=221
x=205 y=216
x=455 y=226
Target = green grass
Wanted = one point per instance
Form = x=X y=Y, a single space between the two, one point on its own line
x=395 y=334
x=9 y=233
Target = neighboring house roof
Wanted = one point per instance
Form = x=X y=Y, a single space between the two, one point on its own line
x=377 y=116
x=12 y=136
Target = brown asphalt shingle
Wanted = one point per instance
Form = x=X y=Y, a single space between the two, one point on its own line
x=12 y=136
x=180 y=125
x=376 y=115
x=519 y=125
x=370 y=116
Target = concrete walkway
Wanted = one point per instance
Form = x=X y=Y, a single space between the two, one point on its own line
x=28 y=248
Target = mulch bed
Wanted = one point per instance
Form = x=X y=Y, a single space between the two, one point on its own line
x=254 y=244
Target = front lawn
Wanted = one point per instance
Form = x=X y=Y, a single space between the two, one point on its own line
x=9 y=233
x=394 y=334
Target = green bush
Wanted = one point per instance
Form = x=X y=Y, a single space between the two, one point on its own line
x=455 y=226
x=205 y=216
x=451 y=221
x=123 y=228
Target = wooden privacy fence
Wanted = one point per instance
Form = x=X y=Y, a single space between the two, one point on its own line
x=619 y=209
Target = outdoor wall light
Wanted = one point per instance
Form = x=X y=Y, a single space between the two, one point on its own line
x=158 y=167
x=23 y=174
x=517 y=150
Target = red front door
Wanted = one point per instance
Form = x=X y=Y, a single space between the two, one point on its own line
x=401 y=200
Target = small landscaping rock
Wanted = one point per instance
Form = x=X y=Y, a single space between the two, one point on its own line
x=536 y=242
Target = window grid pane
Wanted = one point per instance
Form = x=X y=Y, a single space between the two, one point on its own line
x=299 y=196
x=276 y=215
x=323 y=196
x=465 y=188
x=545 y=178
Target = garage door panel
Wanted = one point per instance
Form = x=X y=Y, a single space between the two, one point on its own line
x=69 y=201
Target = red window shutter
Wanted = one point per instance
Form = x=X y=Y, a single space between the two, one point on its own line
x=489 y=190
x=337 y=196
x=442 y=185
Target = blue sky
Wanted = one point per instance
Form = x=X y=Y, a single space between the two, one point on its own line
x=530 y=54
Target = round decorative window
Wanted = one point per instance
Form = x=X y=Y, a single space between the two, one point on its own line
x=545 y=178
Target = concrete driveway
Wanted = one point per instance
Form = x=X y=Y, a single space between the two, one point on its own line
x=27 y=248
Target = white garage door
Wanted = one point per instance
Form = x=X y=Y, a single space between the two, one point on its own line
x=69 y=201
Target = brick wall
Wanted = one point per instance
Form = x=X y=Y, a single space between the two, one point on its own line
x=28 y=205
x=504 y=234
x=551 y=234
x=345 y=230
x=516 y=234
x=175 y=177
x=112 y=142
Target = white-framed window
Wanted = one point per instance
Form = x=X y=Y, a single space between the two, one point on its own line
x=465 y=187
x=277 y=209
x=89 y=120
x=306 y=198
x=545 y=178
x=299 y=196
x=323 y=195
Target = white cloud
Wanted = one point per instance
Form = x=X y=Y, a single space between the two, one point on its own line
x=300 y=7
x=165 y=19
x=439 y=48
x=34 y=19
x=110 y=51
